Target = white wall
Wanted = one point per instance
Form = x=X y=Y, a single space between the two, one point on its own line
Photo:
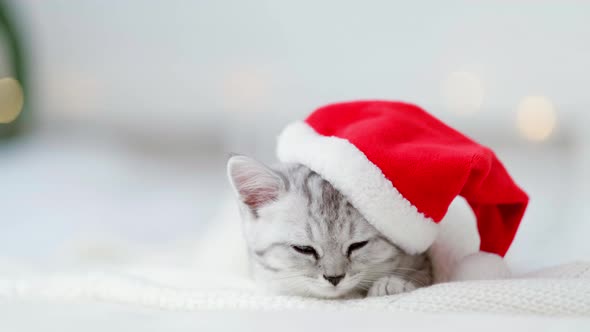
x=184 y=62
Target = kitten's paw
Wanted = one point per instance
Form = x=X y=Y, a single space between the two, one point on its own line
x=390 y=286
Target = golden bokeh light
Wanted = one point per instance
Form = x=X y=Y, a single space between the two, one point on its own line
x=462 y=92
x=11 y=100
x=77 y=92
x=246 y=89
x=536 y=118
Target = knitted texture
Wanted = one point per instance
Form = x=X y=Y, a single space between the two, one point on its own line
x=559 y=291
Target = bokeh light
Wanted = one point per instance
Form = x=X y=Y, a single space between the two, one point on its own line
x=463 y=92
x=246 y=89
x=75 y=91
x=11 y=100
x=536 y=118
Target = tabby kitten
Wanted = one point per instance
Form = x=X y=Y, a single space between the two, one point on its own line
x=305 y=238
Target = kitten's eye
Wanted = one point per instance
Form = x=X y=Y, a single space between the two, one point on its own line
x=356 y=246
x=306 y=250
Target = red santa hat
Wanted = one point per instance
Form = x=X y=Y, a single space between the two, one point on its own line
x=401 y=168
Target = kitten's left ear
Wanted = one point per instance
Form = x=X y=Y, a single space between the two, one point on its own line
x=254 y=183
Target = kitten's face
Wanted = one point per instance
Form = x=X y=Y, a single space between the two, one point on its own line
x=303 y=236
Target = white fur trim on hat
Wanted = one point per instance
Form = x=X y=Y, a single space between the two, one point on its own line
x=362 y=182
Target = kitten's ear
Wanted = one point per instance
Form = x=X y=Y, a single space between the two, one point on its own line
x=254 y=183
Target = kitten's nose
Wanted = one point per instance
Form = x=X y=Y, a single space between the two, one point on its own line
x=334 y=280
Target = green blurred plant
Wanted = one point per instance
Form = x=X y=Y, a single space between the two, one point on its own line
x=12 y=43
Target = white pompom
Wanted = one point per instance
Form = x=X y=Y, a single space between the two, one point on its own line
x=480 y=266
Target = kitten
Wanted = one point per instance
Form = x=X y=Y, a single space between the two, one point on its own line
x=305 y=238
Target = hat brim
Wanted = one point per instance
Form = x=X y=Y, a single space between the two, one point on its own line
x=362 y=182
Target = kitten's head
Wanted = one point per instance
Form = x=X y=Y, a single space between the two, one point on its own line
x=303 y=236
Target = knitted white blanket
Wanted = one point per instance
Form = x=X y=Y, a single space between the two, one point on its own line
x=563 y=291
x=161 y=284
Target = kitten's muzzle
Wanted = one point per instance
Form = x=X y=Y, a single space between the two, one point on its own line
x=334 y=280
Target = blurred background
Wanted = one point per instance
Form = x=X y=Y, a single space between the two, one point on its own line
x=132 y=107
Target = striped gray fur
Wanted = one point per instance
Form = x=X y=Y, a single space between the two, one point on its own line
x=297 y=211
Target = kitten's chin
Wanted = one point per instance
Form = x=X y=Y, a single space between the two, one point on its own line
x=318 y=292
x=334 y=293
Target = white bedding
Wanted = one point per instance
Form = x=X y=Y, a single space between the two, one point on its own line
x=101 y=317
x=159 y=288
x=563 y=291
